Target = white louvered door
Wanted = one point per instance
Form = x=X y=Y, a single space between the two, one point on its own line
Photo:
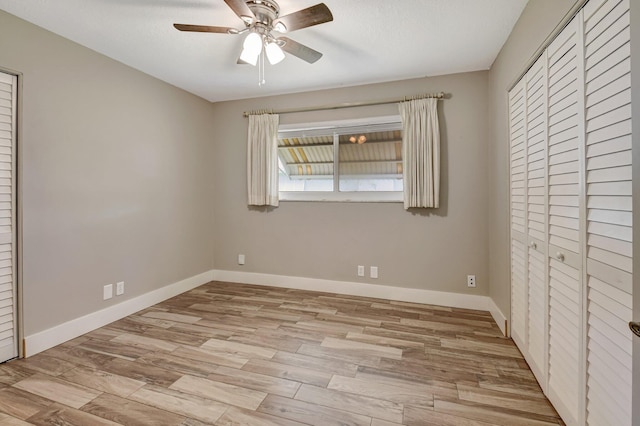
x=608 y=178
x=566 y=124
x=8 y=296
x=518 y=172
x=536 y=207
x=585 y=345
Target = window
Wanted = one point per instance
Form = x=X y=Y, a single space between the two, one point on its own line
x=341 y=161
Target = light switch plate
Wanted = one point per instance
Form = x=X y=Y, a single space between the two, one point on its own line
x=373 y=272
x=107 y=292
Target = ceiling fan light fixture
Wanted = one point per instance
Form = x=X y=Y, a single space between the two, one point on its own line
x=274 y=53
x=260 y=18
x=249 y=59
x=253 y=44
x=251 y=48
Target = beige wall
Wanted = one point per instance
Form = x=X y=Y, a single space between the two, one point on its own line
x=115 y=177
x=537 y=21
x=432 y=249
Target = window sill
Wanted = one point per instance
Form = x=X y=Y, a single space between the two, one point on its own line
x=344 y=197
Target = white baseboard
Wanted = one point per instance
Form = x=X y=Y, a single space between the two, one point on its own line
x=499 y=318
x=54 y=336
x=402 y=294
x=51 y=337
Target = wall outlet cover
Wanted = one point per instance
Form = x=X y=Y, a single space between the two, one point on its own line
x=120 y=288
x=471 y=280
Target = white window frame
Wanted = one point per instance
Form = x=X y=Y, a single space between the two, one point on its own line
x=392 y=122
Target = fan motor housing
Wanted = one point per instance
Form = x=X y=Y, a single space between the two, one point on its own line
x=266 y=11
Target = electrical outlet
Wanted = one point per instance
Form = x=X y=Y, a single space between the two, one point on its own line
x=107 y=292
x=361 y=270
x=120 y=288
x=471 y=280
x=241 y=259
x=373 y=272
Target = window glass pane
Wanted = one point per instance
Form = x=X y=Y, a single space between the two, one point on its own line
x=306 y=163
x=370 y=161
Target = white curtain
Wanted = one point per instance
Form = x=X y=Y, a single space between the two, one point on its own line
x=420 y=153
x=262 y=160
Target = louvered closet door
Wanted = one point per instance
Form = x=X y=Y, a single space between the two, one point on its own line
x=536 y=100
x=8 y=318
x=518 y=147
x=566 y=127
x=608 y=175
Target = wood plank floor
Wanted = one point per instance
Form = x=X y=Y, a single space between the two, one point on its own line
x=231 y=354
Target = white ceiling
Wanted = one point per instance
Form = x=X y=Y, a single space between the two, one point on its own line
x=369 y=41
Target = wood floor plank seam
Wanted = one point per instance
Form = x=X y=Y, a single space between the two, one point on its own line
x=238 y=354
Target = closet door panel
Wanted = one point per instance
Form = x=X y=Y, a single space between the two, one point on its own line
x=8 y=288
x=536 y=100
x=518 y=213
x=564 y=248
x=609 y=216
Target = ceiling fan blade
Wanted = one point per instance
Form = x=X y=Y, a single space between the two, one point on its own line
x=203 y=28
x=241 y=9
x=314 y=15
x=300 y=50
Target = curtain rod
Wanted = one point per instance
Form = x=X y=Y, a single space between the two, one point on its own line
x=440 y=95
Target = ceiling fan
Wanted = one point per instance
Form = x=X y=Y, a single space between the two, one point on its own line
x=260 y=18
